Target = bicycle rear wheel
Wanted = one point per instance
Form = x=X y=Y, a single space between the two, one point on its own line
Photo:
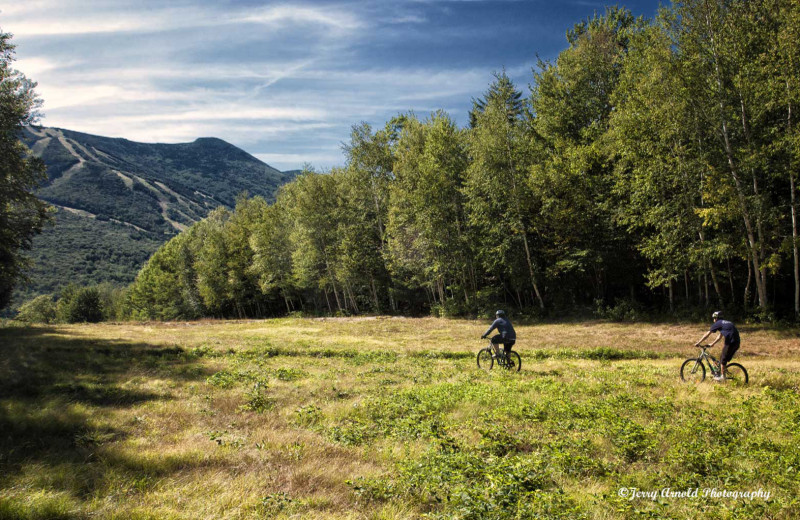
x=736 y=374
x=693 y=371
x=513 y=362
x=485 y=359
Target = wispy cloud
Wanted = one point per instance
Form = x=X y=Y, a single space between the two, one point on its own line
x=300 y=15
x=301 y=159
x=55 y=20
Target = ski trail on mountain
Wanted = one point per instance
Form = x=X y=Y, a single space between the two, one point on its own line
x=87 y=214
x=58 y=134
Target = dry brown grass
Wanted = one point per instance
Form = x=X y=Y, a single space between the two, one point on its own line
x=414 y=334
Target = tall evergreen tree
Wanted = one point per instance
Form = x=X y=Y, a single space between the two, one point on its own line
x=22 y=215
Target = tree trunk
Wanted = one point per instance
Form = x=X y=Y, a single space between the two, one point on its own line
x=375 y=294
x=794 y=249
x=747 y=287
x=430 y=294
x=700 y=289
x=349 y=290
x=530 y=270
x=730 y=280
x=336 y=294
x=378 y=218
x=686 y=283
x=794 y=213
x=716 y=284
x=671 y=298
x=713 y=270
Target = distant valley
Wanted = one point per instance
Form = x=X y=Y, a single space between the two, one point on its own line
x=117 y=200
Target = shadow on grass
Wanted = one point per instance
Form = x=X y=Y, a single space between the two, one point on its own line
x=55 y=394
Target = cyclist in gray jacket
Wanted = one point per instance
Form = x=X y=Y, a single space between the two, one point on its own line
x=724 y=329
x=507 y=334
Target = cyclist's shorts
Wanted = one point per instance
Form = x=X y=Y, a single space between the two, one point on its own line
x=507 y=344
x=728 y=351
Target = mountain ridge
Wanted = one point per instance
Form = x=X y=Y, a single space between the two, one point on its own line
x=129 y=198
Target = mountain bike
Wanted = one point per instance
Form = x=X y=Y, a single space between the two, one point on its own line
x=486 y=359
x=693 y=370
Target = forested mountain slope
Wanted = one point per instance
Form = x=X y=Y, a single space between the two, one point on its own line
x=116 y=200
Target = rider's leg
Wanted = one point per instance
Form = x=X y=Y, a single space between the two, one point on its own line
x=496 y=340
x=727 y=354
x=723 y=360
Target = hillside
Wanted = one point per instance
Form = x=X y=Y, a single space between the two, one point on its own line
x=117 y=200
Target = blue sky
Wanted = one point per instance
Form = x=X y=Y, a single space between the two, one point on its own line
x=285 y=81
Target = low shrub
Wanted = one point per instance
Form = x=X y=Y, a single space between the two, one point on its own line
x=41 y=309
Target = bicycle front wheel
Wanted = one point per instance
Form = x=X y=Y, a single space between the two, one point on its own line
x=485 y=359
x=693 y=371
x=513 y=362
x=736 y=374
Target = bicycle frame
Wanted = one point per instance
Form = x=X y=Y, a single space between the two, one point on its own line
x=500 y=352
x=708 y=358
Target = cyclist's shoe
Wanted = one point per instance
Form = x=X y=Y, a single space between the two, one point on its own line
x=719 y=378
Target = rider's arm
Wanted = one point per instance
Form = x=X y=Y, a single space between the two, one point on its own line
x=490 y=329
x=715 y=341
x=703 y=338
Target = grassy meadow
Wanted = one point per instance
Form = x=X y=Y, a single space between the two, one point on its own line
x=389 y=418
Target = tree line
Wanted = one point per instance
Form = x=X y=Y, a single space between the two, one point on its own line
x=652 y=165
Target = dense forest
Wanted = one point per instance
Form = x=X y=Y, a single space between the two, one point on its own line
x=651 y=167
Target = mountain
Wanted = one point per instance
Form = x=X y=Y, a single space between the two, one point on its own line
x=117 y=201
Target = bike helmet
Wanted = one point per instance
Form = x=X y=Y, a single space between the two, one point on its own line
x=500 y=313
x=717 y=315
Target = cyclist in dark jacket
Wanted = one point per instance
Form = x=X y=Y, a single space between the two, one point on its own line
x=727 y=330
x=507 y=334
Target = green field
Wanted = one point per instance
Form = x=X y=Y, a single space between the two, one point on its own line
x=388 y=418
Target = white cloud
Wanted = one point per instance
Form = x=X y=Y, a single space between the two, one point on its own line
x=297 y=158
x=407 y=19
x=229 y=112
x=301 y=15
x=87 y=21
x=35 y=66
